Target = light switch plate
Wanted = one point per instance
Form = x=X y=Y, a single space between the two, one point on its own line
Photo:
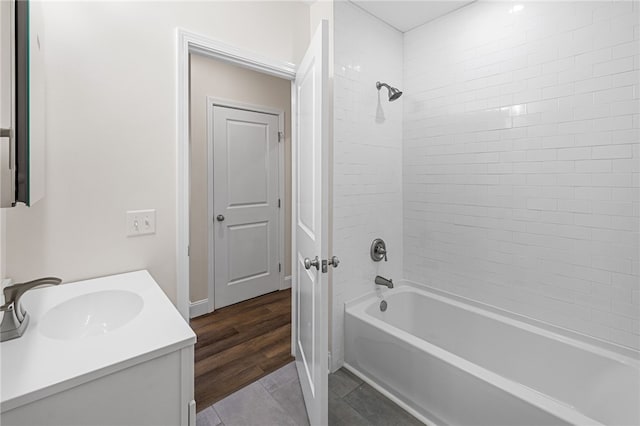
x=141 y=222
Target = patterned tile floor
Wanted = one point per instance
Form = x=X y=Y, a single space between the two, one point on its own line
x=276 y=400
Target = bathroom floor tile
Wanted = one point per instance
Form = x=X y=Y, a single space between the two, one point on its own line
x=252 y=406
x=377 y=409
x=342 y=414
x=208 y=417
x=276 y=400
x=289 y=396
x=281 y=377
x=342 y=382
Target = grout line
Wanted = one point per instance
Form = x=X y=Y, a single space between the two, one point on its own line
x=350 y=392
x=218 y=414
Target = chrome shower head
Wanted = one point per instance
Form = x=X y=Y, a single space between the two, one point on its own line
x=393 y=92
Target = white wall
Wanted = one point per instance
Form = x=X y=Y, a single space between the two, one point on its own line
x=111 y=114
x=522 y=159
x=367 y=158
x=210 y=77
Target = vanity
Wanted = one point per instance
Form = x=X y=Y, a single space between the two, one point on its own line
x=106 y=351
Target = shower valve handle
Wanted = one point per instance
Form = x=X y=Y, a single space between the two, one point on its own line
x=382 y=251
x=378 y=250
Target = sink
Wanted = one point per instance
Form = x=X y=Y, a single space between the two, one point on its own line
x=90 y=314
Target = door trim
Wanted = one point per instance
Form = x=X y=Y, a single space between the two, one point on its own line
x=226 y=103
x=189 y=42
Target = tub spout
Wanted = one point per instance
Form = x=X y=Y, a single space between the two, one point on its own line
x=384 y=281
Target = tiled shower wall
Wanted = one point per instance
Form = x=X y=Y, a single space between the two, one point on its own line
x=367 y=158
x=521 y=160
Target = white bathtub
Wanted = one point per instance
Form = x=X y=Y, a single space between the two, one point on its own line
x=450 y=362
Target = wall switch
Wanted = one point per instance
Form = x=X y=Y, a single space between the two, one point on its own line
x=141 y=222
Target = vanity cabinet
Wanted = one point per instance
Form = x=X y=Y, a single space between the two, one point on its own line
x=109 y=351
x=152 y=393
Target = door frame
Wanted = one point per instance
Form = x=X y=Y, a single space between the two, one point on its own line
x=212 y=102
x=188 y=42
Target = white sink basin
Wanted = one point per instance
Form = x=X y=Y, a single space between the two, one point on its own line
x=90 y=314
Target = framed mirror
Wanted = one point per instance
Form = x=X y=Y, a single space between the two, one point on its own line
x=22 y=103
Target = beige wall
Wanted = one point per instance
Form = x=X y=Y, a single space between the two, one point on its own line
x=210 y=77
x=111 y=128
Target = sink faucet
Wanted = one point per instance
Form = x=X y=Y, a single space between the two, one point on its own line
x=15 y=318
x=384 y=281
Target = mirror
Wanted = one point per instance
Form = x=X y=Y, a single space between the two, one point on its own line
x=22 y=103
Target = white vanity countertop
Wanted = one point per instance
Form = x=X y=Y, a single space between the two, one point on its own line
x=35 y=366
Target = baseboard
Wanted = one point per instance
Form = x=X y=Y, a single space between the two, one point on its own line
x=286 y=283
x=198 y=308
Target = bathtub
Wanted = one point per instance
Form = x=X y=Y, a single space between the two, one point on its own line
x=448 y=360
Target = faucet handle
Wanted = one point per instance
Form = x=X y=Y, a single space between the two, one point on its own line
x=378 y=250
x=13 y=293
x=383 y=252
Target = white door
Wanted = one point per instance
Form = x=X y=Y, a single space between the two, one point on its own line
x=245 y=204
x=310 y=213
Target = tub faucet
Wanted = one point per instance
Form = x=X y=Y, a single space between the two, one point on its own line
x=384 y=281
x=15 y=318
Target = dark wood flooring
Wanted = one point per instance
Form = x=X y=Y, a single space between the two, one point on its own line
x=239 y=344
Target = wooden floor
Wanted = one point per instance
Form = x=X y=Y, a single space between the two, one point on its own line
x=239 y=344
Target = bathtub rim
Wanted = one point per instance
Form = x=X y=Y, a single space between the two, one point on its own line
x=624 y=354
x=566 y=412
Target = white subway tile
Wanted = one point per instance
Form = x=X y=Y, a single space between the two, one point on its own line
x=592 y=166
x=625 y=107
x=576 y=206
x=625 y=50
x=613 y=67
x=542 y=172
x=574 y=153
x=592 y=193
x=558 y=91
x=612 y=95
x=612 y=151
x=592 y=57
x=593 y=84
x=626 y=78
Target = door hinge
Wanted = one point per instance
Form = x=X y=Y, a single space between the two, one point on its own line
x=278 y=202
x=188 y=251
x=280 y=136
x=279 y=267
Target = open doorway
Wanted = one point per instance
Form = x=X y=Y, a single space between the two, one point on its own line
x=309 y=199
x=239 y=225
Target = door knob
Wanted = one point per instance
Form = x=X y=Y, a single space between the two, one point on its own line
x=220 y=218
x=334 y=261
x=308 y=263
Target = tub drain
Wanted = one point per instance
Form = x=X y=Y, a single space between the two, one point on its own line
x=383 y=305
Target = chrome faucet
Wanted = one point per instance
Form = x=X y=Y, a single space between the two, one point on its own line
x=15 y=318
x=384 y=281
